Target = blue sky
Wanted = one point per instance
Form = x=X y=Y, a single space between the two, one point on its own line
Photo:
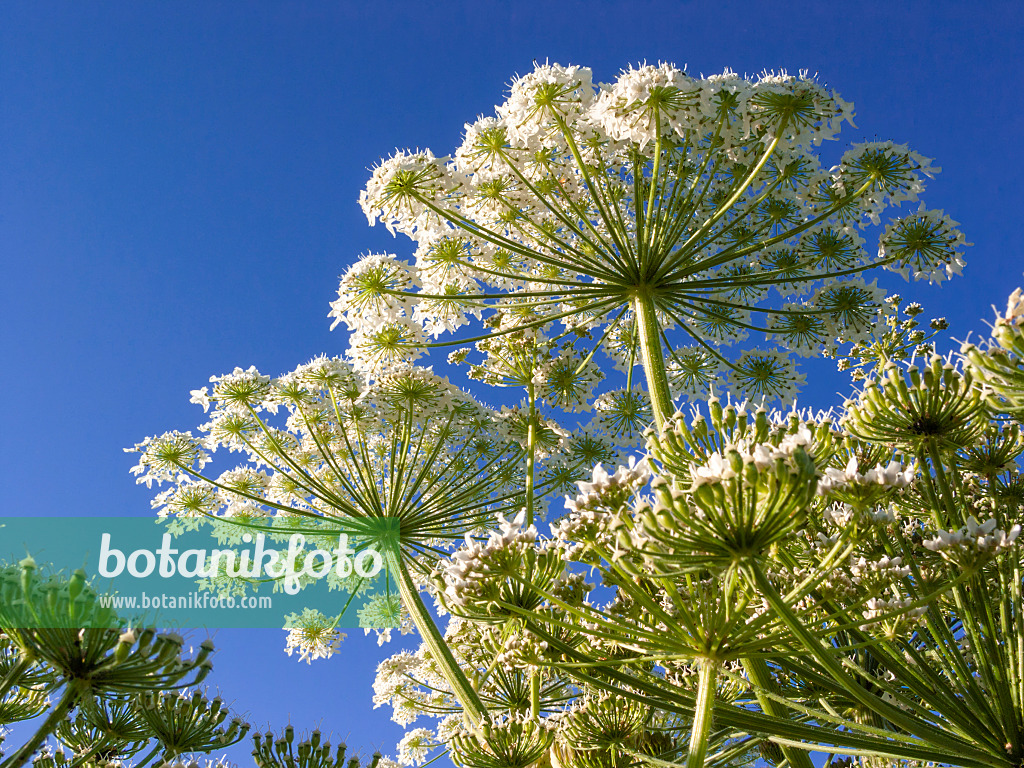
x=178 y=187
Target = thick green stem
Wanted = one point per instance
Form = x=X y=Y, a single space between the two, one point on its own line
x=1018 y=602
x=535 y=694
x=651 y=354
x=64 y=704
x=531 y=451
x=949 y=500
x=449 y=667
x=700 y=733
x=757 y=672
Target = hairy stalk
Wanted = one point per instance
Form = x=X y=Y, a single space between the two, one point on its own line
x=701 y=730
x=653 y=358
x=434 y=640
x=531 y=451
x=535 y=693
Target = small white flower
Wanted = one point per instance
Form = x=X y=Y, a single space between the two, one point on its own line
x=312 y=634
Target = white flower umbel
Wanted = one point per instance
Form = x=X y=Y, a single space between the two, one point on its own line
x=471 y=561
x=925 y=246
x=658 y=209
x=415 y=746
x=407 y=453
x=312 y=634
x=370 y=292
x=893 y=475
x=974 y=538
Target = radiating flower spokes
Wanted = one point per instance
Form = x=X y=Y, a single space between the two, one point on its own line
x=659 y=193
x=406 y=446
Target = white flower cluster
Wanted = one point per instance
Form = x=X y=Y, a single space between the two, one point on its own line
x=521 y=651
x=625 y=413
x=767 y=374
x=692 y=371
x=648 y=102
x=600 y=498
x=584 y=523
x=973 y=537
x=163 y=458
x=876 y=608
x=925 y=245
x=471 y=563
x=389 y=193
x=384 y=610
x=1014 y=310
x=893 y=475
x=391 y=675
x=567 y=91
x=633 y=476
x=884 y=569
x=415 y=746
x=313 y=635
x=565 y=382
x=411 y=685
x=896 y=167
x=236 y=392
x=763 y=456
x=364 y=295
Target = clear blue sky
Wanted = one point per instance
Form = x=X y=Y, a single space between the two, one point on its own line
x=178 y=187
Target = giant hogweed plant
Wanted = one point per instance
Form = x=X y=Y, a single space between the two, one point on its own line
x=769 y=584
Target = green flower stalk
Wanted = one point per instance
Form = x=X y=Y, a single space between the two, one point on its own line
x=24 y=684
x=59 y=622
x=105 y=729
x=925 y=413
x=507 y=743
